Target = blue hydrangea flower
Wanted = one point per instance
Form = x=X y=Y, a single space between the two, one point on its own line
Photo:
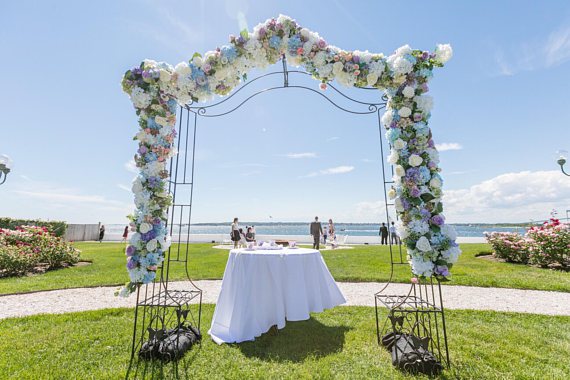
x=421 y=128
x=229 y=52
x=274 y=42
x=294 y=43
x=410 y=58
x=395 y=115
x=425 y=174
x=150 y=123
x=393 y=134
x=150 y=157
x=427 y=73
x=149 y=277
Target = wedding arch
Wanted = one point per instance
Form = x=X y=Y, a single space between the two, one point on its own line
x=158 y=89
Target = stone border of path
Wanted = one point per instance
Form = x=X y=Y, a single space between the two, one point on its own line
x=357 y=294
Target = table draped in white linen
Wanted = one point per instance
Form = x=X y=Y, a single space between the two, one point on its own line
x=262 y=288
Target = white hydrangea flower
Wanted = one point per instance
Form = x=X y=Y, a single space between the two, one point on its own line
x=422 y=267
x=415 y=160
x=404 y=112
x=393 y=157
x=400 y=144
x=424 y=103
x=423 y=244
x=139 y=98
x=377 y=67
x=433 y=155
x=451 y=255
x=409 y=92
x=387 y=118
x=403 y=231
x=398 y=204
x=182 y=69
x=449 y=232
x=443 y=53
x=145 y=227
x=403 y=50
x=400 y=66
x=337 y=68
x=137 y=185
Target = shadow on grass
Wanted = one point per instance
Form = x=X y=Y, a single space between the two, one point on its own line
x=296 y=342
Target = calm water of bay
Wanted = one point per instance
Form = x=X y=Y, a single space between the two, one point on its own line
x=351 y=229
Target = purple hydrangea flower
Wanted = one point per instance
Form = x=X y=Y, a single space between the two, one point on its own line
x=415 y=192
x=417 y=116
x=142 y=149
x=438 y=220
x=156 y=221
x=131 y=264
x=130 y=250
x=442 y=270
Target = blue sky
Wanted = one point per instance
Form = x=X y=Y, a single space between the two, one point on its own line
x=500 y=104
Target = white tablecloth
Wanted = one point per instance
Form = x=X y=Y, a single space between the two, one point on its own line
x=263 y=288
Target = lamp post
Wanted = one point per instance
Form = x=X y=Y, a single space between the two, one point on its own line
x=5 y=166
x=562 y=155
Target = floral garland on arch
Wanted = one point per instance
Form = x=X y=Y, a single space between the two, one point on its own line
x=155 y=88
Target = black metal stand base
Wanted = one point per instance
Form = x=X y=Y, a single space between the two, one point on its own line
x=419 y=318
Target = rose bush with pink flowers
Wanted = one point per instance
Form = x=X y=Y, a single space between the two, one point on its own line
x=545 y=245
x=28 y=247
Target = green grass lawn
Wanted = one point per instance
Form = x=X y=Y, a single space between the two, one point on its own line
x=363 y=263
x=336 y=344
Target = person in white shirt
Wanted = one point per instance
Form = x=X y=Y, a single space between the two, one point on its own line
x=394 y=238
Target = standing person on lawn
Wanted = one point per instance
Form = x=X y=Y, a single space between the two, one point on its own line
x=383 y=234
x=316 y=230
x=394 y=239
x=101 y=233
x=125 y=234
x=236 y=237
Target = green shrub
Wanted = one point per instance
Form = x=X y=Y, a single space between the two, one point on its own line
x=57 y=228
x=509 y=246
x=28 y=247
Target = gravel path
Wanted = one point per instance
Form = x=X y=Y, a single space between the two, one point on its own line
x=455 y=297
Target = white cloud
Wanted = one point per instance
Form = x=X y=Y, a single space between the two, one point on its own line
x=333 y=138
x=131 y=166
x=448 y=146
x=370 y=211
x=509 y=197
x=336 y=170
x=540 y=53
x=124 y=187
x=301 y=155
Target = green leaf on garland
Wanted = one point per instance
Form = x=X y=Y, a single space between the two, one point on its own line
x=427 y=197
x=244 y=77
x=244 y=33
x=439 y=208
x=196 y=55
x=435 y=228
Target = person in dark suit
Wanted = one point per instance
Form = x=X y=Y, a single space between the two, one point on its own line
x=383 y=234
x=316 y=231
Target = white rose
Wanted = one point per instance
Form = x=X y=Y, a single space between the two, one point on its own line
x=435 y=183
x=400 y=171
x=423 y=244
x=161 y=120
x=139 y=98
x=443 y=53
x=198 y=61
x=404 y=112
x=400 y=144
x=337 y=67
x=392 y=193
x=409 y=92
x=415 y=160
x=371 y=79
x=145 y=227
x=164 y=76
x=182 y=69
x=151 y=245
x=393 y=157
